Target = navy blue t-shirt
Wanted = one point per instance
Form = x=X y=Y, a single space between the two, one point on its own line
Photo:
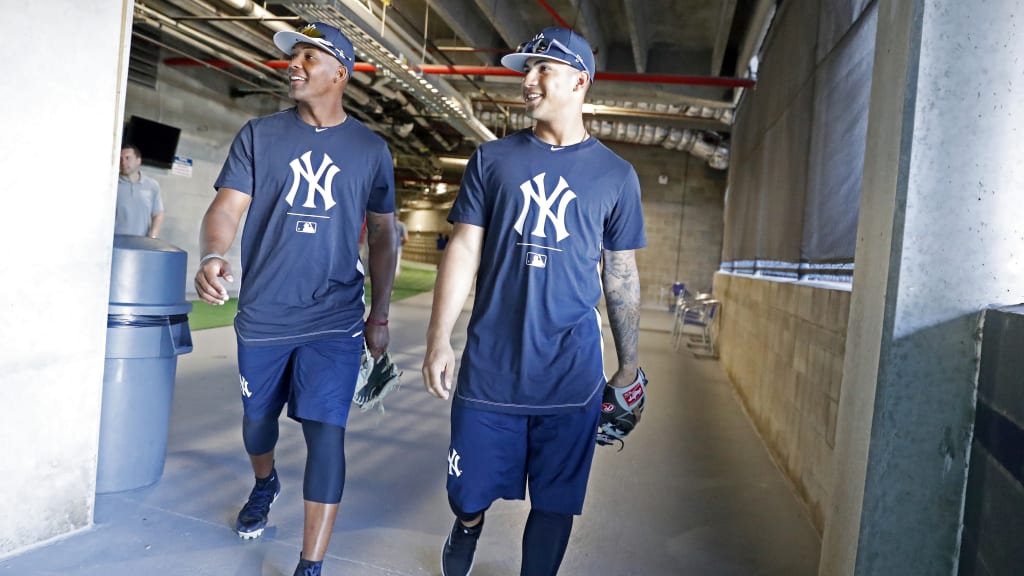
x=311 y=187
x=534 y=337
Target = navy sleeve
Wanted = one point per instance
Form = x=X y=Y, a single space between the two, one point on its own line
x=624 y=229
x=382 y=195
x=469 y=202
x=238 y=171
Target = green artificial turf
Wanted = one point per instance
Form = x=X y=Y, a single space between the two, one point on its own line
x=412 y=281
x=205 y=315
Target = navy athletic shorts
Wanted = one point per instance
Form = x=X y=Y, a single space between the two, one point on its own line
x=316 y=379
x=493 y=455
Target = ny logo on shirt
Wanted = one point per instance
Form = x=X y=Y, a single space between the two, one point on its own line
x=304 y=170
x=536 y=191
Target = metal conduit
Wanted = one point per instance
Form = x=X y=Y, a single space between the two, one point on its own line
x=691 y=141
x=253 y=9
x=191 y=35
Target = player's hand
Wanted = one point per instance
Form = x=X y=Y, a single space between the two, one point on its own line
x=208 y=285
x=439 y=369
x=624 y=376
x=377 y=339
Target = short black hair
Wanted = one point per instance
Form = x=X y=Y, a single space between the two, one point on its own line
x=132 y=147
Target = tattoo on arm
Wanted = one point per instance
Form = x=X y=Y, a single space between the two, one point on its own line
x=622 y=296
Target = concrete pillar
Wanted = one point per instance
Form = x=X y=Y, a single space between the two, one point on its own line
x=939 y=239
x=62 y=94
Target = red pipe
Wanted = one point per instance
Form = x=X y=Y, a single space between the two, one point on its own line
x=444 y=69
x=554 y=14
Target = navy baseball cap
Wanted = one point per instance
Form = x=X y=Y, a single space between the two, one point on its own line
x=321 y=35
x=557 y=44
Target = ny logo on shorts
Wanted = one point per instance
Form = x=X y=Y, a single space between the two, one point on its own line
x=243 y=384
x=453 y=463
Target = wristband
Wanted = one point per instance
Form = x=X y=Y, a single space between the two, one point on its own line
x=211 y=256
x=373 y=322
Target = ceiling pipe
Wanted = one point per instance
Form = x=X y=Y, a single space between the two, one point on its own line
x=212 y=45
x=446 y=70
x=255 y=86
x=725 y=81
x=471 y=50
x=716 y=118
x=428 y=181
x=389 y=49
x=205 y=9
x=714 y=153
x=253 y=9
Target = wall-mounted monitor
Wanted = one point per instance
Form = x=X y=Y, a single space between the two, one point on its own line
x=157 y=142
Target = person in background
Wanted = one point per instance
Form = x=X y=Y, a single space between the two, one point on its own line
x=545 y=219
x=140 y=209
x=305 y=178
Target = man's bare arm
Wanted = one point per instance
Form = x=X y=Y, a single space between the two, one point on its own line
x=454 y=281
x=380 y=238
x=217 y=232
x=622 y=297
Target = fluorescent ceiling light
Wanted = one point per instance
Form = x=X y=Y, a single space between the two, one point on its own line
x=453 y=160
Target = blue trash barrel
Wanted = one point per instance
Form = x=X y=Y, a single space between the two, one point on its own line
x=147 y=328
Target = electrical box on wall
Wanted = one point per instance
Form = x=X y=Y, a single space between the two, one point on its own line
x=662 y=178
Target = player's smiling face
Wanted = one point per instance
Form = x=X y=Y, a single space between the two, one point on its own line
x=312 y=72
x=548 y=87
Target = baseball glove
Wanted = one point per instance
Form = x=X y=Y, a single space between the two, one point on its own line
x=620 y=411
x=377 y=378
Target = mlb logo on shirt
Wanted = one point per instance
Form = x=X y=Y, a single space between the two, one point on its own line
x=536 y=260
x=305 y=227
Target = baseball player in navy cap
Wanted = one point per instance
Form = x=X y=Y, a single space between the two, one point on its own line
x=546 y=220
x=304 y=179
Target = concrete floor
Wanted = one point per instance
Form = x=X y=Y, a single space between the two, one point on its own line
x=693 y=492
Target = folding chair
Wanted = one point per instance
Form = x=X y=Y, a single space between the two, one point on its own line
x=696 y=326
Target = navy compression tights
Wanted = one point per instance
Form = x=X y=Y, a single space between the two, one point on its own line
x=545 y=539
x=544 y=542
x=325 y=455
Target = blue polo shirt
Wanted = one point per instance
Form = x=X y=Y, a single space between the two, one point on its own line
x=534 y=338
x=311 y=187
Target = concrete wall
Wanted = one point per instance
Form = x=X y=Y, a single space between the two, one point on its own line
x=59 y=156
x=939 y=241
x=994 y=507
x=683 y=220
x=782 y=345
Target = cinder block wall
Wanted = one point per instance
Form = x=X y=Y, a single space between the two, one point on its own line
x=782 y=345
x=683 y=220
x=994 y=507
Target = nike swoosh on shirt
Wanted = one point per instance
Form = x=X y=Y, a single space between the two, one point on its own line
x=321 y=129
x=556 y=148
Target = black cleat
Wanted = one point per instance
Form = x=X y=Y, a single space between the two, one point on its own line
x=460 y=549
x=252 y=519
